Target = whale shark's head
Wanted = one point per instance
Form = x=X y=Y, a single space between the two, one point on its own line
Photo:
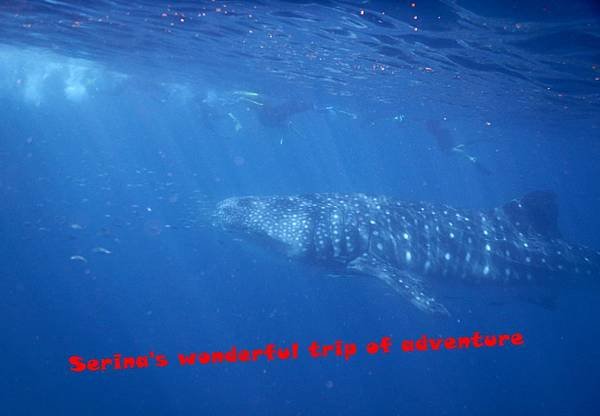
x=278 y=221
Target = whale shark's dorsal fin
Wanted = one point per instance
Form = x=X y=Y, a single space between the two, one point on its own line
x=535 y=212
x=408 y=285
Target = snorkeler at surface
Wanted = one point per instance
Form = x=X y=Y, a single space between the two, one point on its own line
x=279 y=113
x=275 y=112
x=270 y=112
x=445 y=143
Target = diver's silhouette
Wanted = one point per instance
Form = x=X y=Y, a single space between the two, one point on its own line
x=445 y=143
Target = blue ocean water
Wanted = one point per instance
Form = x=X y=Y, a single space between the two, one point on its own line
x=123 y=123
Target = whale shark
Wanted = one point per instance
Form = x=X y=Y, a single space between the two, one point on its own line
x=412 y=245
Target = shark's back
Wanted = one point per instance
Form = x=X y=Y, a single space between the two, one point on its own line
x=518 y=242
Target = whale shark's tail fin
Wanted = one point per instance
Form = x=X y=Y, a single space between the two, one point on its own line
x=536 y=212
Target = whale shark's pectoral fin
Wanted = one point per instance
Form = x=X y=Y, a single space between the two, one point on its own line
x=407 y=284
